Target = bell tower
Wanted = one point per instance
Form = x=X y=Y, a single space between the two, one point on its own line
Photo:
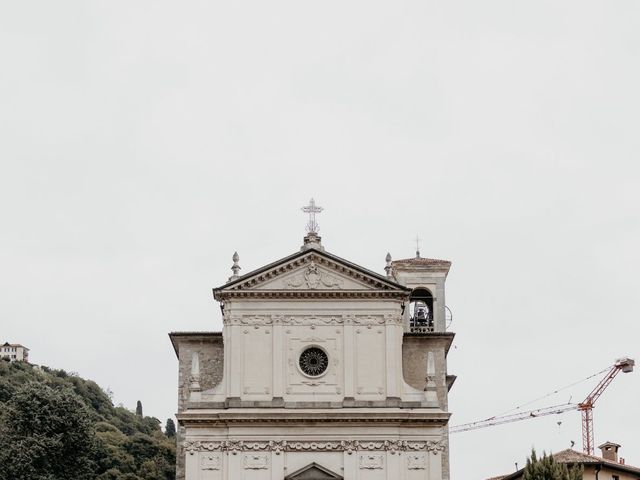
x=427 y=311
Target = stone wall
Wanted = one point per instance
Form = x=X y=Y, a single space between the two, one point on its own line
x=210 y=349
x=415 y=348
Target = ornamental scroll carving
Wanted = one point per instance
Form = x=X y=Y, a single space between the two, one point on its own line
x=314 y=278
x=279 y=446
x=435 y=447
x=319 y=320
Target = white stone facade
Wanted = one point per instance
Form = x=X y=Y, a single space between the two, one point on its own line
x=311 y=383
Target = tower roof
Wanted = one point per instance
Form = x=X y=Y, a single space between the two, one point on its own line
x=422 y=261
x=421 y=264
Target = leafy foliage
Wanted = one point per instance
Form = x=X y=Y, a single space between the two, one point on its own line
x=57 y=426
x=546 y=468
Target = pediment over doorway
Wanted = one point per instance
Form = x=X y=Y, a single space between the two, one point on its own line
x=313 y=471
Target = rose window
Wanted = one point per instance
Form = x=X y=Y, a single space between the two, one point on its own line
x=314 y=361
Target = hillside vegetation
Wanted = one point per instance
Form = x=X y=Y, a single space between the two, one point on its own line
x=58 y=426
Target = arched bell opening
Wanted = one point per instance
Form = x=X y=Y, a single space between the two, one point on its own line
x=421 y=310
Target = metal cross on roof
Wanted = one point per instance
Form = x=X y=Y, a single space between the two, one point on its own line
x=417 y=246
x=312 y=209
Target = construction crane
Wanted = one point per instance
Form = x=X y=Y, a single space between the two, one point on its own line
x=624 y=365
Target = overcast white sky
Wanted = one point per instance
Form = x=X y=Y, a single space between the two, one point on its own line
x=142 y=143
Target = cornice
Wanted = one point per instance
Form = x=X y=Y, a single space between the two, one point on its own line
x=415 y=417
x=261 y=294
x=348 y=446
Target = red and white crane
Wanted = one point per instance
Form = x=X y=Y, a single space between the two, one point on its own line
x=624 y=365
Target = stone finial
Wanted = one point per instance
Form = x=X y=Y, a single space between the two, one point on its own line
x=235 y=267
x=431 y=392
x=388 y=268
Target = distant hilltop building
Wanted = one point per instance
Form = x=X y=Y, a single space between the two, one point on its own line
x=14 y=352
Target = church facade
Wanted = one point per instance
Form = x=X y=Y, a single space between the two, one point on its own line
x=323 y=370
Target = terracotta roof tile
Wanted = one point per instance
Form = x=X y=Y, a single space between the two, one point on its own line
x=572 y=456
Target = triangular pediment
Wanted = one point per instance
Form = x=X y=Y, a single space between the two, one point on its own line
x=313 y=472
x=312 y=276
x=311 y=271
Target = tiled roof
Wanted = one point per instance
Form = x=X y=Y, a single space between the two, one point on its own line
x=7 y=344
x=579 y=458
x=422 y=261
x=571 y=456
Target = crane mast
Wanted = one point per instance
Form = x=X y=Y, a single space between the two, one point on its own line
x=624 y=365
x=586 y=406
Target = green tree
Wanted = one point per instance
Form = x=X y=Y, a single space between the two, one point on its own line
x=139 y=409
x=124 y=445
x=546 y=468
x=46 y=434
x=170 y=428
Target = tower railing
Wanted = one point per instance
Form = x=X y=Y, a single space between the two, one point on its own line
x=421 y=323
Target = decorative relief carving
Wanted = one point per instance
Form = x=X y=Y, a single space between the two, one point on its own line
x=277 y=446
x=314 y=278
x=256 y=320
x=349 y=446
x=393 y=319
x=435 y=447
x=371 y=461
x=210 y=461
x=368 y=320
x=417 y=461
x=312 y=320
x=256 y=461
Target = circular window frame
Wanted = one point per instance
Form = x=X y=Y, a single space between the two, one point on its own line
x=308 y=347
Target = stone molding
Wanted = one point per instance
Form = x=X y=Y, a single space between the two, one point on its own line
x=312 y=320
x=348 y=446
x=378 y=294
